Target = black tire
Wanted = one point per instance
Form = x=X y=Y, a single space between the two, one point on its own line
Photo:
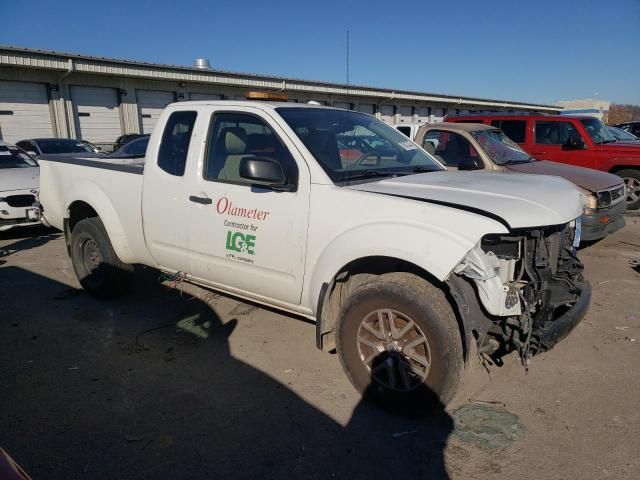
x=98 y=268
x=631 y=179
x=410 y=300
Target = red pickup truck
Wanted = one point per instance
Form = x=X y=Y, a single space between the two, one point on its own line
x=576 y=140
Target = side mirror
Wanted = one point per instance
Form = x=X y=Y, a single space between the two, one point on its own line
x=470 y=164
x=574 y=143
x=264 y=171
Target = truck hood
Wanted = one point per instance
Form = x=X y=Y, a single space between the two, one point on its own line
x=19 y=178
x=521 y=201
x=587 y=178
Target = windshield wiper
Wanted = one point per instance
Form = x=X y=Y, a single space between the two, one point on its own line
x=388 y=173
x=513 y=162
x=602 y=142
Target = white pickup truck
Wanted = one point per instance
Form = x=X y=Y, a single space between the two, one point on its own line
x=404 y=266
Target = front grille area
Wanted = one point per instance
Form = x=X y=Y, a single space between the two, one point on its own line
x=17 y=201
x=606 y=198
x=547 y=277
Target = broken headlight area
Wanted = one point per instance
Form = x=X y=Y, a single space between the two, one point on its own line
x=527 y=283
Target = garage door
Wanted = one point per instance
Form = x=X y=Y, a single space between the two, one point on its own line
x=204 y=96
x=387 y=113
x=150 y=105
x=96 y=113
x=438 y=114
x=423 y=114
x=406 y=114
x=344 y=105
x=24 y=111
x=366 y=108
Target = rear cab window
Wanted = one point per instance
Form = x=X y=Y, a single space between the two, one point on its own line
x=516 y=130
x=405 y=130
x=174 y=147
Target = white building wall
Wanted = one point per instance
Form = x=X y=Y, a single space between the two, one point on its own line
x=59 y=74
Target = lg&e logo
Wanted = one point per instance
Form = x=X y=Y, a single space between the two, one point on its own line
x=239 y=242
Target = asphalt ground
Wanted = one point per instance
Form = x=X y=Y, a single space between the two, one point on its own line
x=174 y=381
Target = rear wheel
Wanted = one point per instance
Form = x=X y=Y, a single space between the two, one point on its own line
x=632 y=182
x=399 y=342
x=98 y=268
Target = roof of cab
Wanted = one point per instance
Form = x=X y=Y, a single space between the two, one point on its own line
x=518 y=116
x=464 y=127
x=250 y=103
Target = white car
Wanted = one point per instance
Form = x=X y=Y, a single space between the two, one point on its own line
x=18 y=188
x=410 y=129
x=402 y=265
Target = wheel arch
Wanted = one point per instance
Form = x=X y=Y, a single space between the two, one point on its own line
x=621 y=166
x=90 y=201
x=358 y=272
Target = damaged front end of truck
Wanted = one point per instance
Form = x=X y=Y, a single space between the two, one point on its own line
x=521 y=291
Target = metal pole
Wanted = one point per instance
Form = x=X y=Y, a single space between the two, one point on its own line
x=347 y=57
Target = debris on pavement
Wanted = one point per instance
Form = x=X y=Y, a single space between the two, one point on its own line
x=487 y=427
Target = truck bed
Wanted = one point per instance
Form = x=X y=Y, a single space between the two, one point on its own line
x=111 y=187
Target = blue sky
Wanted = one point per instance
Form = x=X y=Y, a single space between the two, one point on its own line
x=539 y=51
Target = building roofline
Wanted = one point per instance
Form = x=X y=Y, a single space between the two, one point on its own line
x=50 y=59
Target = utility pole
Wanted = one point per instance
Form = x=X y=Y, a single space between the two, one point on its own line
x=347 y=57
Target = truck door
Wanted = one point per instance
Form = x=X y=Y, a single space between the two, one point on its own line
x=245 y=237
x=561 y=141
x=165 y=191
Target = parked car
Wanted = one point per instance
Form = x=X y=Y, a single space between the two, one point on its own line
x=479 y=147
x=41 y=146
x=122 y=140
x=409 y=129
x=136 y=148
x=577 y=140
x=622 y=135
x=631 y=127
x=18 y=188
x=380 y=252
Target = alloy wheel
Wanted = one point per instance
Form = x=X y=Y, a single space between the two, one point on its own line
x=633 y=189
x=394 y=349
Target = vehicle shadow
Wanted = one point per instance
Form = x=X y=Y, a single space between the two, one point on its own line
x=25 y=238
x=147 y=387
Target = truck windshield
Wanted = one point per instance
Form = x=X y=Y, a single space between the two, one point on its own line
x=352 y=145
x=12 y=157
x=597 y=131
x=501 y=148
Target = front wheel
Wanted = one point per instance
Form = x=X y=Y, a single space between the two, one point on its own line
x=98 y=268
x=399 y=343
x=631 y=179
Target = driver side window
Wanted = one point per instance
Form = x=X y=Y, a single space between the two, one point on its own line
x=235 y=136
x=555 y=133
x=449 y=147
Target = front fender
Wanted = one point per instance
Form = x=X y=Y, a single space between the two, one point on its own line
x=434 y=249
x=91 y=194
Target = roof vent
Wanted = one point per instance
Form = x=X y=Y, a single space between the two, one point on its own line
x=202 y=64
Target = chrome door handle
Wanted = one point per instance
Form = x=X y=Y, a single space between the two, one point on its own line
x=200 y=200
